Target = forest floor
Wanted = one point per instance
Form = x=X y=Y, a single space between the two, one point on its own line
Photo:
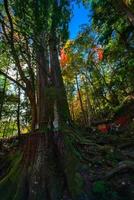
x=107 y=163
x=110 y=158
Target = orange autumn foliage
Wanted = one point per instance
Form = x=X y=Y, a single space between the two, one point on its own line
x=63 y=58
x=100 y=54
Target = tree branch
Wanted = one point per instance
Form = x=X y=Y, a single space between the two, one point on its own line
x=11 y=42
x=13 y=80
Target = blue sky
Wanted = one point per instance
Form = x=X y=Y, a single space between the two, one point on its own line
x=80 y=16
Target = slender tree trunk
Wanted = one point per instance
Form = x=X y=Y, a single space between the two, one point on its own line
x=88 y=111
x=18 y=113
x=13 y=128
x=7 y=125
x=81 y=103
x=3 y=97
x=72 y=111
x=89 y=107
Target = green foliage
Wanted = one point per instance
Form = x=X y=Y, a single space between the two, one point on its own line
x=106 y=83
x=103 y=191
x=74 y=179
x=99 y=187
x=9 y=182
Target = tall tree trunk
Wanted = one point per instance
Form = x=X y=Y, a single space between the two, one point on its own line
x=81 y=103
x=72 y=111
x=88 y=111
x=18 y=113
x=2 y=97
x=42 y=87
x=89 y=107
x=62 y=104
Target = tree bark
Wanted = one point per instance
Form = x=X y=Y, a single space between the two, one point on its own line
x=18 y=113
x=13 y=80
x=62 y=104
x=34 y=122
x=81 y=103
x=3 y=97
x=30 y=89
x=42 y=86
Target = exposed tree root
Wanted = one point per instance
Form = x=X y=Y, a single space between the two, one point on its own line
x=127 y=144
x=47 y=169
x=130 y=155
x=121 y=166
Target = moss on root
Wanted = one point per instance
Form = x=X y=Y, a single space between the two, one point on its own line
x=9 y=183
x=43 y=168
x=72 y=164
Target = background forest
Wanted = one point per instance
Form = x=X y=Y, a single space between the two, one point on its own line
x=97 y=68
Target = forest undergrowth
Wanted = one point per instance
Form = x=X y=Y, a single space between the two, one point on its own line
x=106 y=166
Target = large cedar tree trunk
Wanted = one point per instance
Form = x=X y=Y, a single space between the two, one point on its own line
x=47 y=166
x=61 y=98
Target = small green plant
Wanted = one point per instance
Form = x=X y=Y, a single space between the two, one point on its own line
x=102 y=191
x=99 y=187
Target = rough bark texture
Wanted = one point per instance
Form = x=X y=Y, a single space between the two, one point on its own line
x=18 y=113
x=41 y=172
x=2 y=97
x=42 y=88
x=81 y=103
x=62 y=104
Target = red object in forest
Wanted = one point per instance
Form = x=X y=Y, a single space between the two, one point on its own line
x=122 y=120
x=104 y=128
x=63 y=58
x=100 y=53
